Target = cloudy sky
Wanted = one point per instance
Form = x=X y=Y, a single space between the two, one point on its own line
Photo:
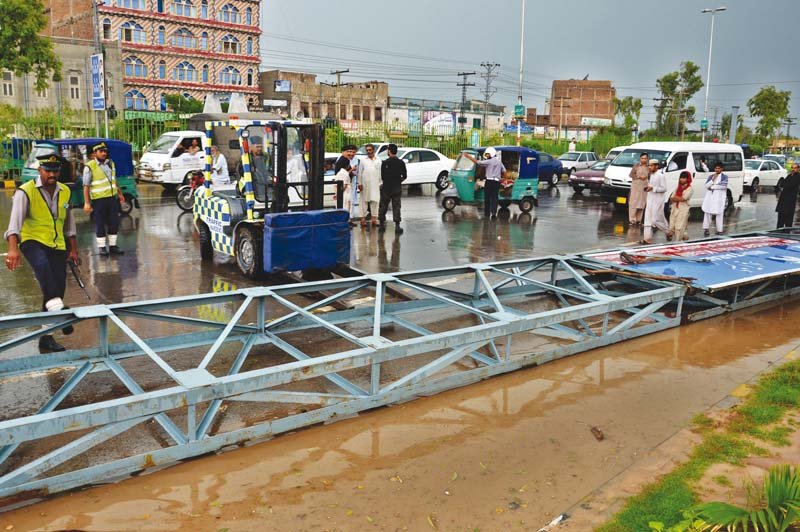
x=419 y=46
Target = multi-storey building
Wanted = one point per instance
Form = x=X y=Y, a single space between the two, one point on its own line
x=575 y=101
x=188 y=47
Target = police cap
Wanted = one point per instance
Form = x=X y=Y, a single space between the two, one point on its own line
x=49 y=161
x=100 y=146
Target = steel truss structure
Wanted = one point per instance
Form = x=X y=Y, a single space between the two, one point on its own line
x=161 y=382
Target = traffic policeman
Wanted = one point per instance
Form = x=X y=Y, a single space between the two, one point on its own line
x=102 y=195
x=41 y=228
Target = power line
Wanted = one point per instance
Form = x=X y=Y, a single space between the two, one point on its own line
x=462 y=119
x=488 y=76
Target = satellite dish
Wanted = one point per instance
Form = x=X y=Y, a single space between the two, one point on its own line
x=300 y=115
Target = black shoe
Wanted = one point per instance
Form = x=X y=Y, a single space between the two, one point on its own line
x=397 y=229
x=720 y=233
x=68 y=329
x=706 y=232
x=114 y=250
x=48 y=344
x=104 y=251
x=382 y=228
x=494 y=217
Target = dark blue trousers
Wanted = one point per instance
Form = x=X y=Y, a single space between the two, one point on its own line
x=49 y=266
x=106 y=214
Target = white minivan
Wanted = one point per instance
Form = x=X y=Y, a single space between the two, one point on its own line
x=167 y=161
x=677 y=156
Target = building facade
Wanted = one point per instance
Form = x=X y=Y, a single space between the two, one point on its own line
x=363 y=101
x=575 y=103
x=441 y=117
x=188 y=47
x=74 y=89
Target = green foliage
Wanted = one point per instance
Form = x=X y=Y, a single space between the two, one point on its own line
x=178 y=103
x=9 y=116
x=22 y=48
x=47 y=123
x=771 y=106
x=781 y=509
x=676 y=89
x=629 y=108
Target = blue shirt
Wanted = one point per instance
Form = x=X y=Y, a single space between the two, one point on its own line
x=494 y=168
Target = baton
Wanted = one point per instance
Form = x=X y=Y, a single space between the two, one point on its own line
x=74 y=268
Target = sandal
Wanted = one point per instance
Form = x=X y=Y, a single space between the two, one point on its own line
x=669 y=236
x=644 y=242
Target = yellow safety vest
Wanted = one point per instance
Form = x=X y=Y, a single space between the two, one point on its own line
x=40 y=224
x=102 y=186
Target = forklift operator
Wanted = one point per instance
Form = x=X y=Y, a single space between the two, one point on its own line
x=259 y=170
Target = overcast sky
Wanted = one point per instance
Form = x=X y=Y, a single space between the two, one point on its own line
x=422 y=44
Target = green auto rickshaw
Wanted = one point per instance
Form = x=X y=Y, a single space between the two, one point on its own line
x=521 y=185
x=76 y=153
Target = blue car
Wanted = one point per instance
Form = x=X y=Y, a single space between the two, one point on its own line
x=550 y=169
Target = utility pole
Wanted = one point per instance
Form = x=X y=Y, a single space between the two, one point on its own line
x=560 y=113
x=521 y=57
x=462 y=119
x=789 y=123
x=338 y=74
x=489 y=76
x=714 y=122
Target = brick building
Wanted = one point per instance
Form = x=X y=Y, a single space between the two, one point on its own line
x=572 y=100
x=362 y=101
x=190 y=47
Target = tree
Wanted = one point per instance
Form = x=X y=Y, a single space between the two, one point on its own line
x=629 y=108
x=771 y=107
x=9 y=116
x=178 y=103
x=676 y=89
x=725 y=124
x=22 y=49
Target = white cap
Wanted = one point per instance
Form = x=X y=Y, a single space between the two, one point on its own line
x=491 y=152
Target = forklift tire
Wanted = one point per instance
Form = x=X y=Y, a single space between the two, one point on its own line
x=206 y=250
x=449 y=204
x=249 y=250
x=526 y=204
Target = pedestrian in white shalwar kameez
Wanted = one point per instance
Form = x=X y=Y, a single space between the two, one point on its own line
x=715 y=198
x=347 y=196
x=654 y=209
x=369 y=186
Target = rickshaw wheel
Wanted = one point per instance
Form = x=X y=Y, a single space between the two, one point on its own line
x=449 y=204
x=127 y=207
x=526 y=205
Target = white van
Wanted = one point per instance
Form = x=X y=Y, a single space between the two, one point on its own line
x=167 y=162
x=613 y=152
x=677 y=156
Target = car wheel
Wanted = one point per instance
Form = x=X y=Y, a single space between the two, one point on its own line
x=449 y=204
x=667 y=210
x=127 y=207
x=443 y=181
x=729 y=201
x=185 y=198
x=577 y=189
x=526 y=204
x=249 y=256
x=206 y=250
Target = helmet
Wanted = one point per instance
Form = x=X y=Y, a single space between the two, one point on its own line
x=491 y=152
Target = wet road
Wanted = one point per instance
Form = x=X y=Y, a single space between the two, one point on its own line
x=162 y=256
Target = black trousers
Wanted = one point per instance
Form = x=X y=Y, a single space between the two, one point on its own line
x=490 y=193
x=786 y=217
x=387 y=196
x=49 y=266
x=106 y=214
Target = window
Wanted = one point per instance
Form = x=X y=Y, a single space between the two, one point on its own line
x=130 y=4
x=188 y=97
x=160 y=6
x=248 y=16
x=731 y=162
x=183 y=8
x=161 y=35
x=162 y=69
x=204 y=9
x=678 y=162
x=250 y=77
x=132 y=32
x=183 y=38
x=229 y=45
x=75 y=87
x=342 y=112
x=135 y=67
x=135 y=100
x=365 y=113
x=249 y=46
x=162 y=102
x=378 y=116
x=106 y=29
x=356 y=112
x=229 y=13
x=41 y=93
x=205 y=74
x=304 y=108
x=476 y=123
x=8 y=86
x=185 y=72
x=204 y=41
x=543 y=157
x=428 y=157
x=411 y=157
x=230 y=76
x=316 y=111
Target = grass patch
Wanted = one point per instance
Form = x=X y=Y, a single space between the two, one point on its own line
x=722 y=480
x=666 y=499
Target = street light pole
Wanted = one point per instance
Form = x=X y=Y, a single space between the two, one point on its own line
x=521 y=56
x=708 y=72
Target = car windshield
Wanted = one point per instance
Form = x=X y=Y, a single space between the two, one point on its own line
x=163 y=144
x=631 y=156
x=602 y=165
x=752 y=165
x=37 y=151
x=569 y=156
x=462 y=163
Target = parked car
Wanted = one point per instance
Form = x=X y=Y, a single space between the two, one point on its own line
x=572 y=161
x=380 y=147
x=425 y=166
x=763 y=172
x=777 y=157
x=591 y=178
x=550 y=169
x=613 y=152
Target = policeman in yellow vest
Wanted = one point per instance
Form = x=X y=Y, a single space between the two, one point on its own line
x=102 y=195
x=41 y=227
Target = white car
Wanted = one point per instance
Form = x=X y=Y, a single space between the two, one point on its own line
x=763 y=172
x=425 y=166
x=572 y=161
x=380 y=148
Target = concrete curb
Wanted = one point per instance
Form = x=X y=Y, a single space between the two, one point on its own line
x=8 y=183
